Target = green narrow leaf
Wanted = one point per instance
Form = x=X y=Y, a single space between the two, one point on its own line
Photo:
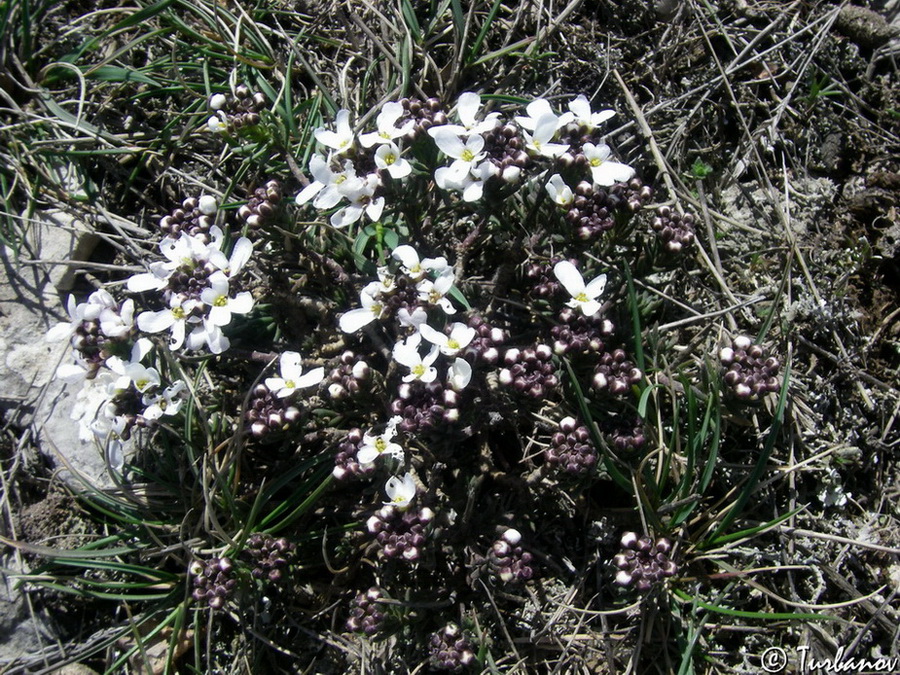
x=111 y=73
x=764 y=616
x=482 y=34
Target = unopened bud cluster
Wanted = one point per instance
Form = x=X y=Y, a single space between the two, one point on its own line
x=345 y=380
x=750 y=371
x=675 y=230
x=571 y=449
x=400 y=533
x=426 y=114
x=615 y=373
x=627 y=436
x=508 y=560
x=643 y=562
x=365 y=612
x=577 y=333
x=267 y=413
x=530 y=371
x=270 y=555
x=505 y=150
x=484 y=346
x=233 y=113
x=213 y=583
x=425 y=407
x=345 y=462
x=544 y=284
x=194 y=217
x=594 y=209
x=450 y=649
x=262 y=206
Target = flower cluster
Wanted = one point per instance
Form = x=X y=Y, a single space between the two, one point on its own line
x=400 y=534
x=530 y=371
x=615 y=373
x=195 y=282
x=195 y=217
x=570 y=448
x=272 y=406
x=479 y=149
x=750 y=371
x=450 y=649
x=346 y=464
x=643 y=562
x=366 y=612
x=508 y=560
x=231 y=114
x=347 y=377
x=213 y=581
x=97 y=329
x=262 y=205
x=270 y=556
x=675 y=230
x=593 y=210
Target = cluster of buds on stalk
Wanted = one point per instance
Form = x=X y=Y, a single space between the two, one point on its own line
x=270 y=555
x=675 y=230
x=195 y=217
x=425 y=407
x=750 y=373
x=577 y=333
x=366 y=615
x=530 y=371
x=267 y=413
x=615 y=373
x=346 y=464
x=451 y=650
x=213 y=582
x=262 y=206
x=400 y=533
x=345 y=380
x=570 y=448
x=424 y=114
x=643 y=562
x=231 y=114
x=593 y=209
x=508 y=560
x=484 y=346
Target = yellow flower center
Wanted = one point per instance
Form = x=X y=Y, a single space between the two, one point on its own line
x=380 y=445
x=141 y=384
x=289 y=384
x=467 y=155
x=596 y=161
x=582 y=297
x=390 y=158
x=221 y=301
x=418 y=370
x=178 y=313
x=453 y=344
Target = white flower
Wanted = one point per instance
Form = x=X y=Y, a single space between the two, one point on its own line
x=372 y=309
x=559 y=192
x=400 y=491
x=175 y=319
x=207 y=333
x=186 y=252
x=584 y=296
x=604 y=171
x=221 y=306
x=467 y=108
x=412 y=319
x=388 y=130
x=540 y=109
x=292 y=376
x=459 y=375
x=90 y=310
x=465 y=155
x=539 y=142
x=240 y=255
x=218 y=123
x=362 y=200
x=169 y=402
x=329 y=187
x=433 y=292
x=460 y=337
x=581 y=109
x=133 y=371
x=374 y=447
x=387 y=156
x=342 y=138
x=406 y=353
x=414 y=268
